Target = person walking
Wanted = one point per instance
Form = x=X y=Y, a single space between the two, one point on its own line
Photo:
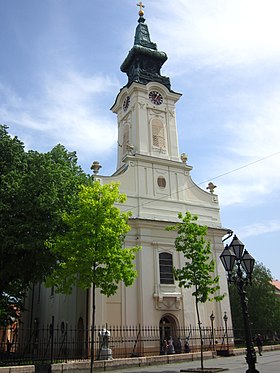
x=170 y=347
x=187 y=345
x=179 y=346
x=164 y=346
x=259 y=343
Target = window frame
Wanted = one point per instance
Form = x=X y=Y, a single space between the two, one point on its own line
x=166 y=276
x=158 y=134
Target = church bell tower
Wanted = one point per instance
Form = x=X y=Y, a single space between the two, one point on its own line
x=145 y=106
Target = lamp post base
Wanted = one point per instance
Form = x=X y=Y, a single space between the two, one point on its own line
x=251 y=361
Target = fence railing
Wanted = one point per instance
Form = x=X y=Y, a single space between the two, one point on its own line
x=63 y=343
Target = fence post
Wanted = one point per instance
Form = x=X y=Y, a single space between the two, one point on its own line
x=52 y=335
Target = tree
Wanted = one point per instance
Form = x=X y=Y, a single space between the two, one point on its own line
x=262 y=302
x=34 y=190
x=198 y=269
x=92 y=250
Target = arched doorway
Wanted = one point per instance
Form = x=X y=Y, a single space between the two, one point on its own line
x=168 y=331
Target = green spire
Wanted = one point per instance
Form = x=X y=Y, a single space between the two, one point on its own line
x=144 y=61
x=142 y=36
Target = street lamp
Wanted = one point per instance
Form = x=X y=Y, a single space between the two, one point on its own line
x=212 y=318
x=234 y=255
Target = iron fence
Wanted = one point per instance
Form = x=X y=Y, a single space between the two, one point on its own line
x=63 y=343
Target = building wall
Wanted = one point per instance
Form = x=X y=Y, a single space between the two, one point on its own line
x=154 y=206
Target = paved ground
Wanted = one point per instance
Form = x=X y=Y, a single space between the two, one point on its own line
x=269 y=362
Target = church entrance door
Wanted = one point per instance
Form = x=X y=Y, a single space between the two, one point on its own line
x=168 y=334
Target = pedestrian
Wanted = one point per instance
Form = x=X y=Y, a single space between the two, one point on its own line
x=170 y=347
x=187 y=345
x=164 y=346
x=179 y=346
x=259 y=343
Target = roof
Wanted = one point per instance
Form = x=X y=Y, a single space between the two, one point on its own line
x=276 y=284
x=144 y=61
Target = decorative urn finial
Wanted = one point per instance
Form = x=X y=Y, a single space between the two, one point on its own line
x=211 y=187
x=95 y=167
x=184 y=158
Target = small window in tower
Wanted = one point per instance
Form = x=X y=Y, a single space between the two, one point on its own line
x=125 y=139
x=158 y=134
x=161 y=182
x=166 y=268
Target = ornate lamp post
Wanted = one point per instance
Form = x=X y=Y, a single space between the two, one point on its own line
x=234 y=255
x=212 y=318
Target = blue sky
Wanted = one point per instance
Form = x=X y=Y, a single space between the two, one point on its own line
x=60 y=74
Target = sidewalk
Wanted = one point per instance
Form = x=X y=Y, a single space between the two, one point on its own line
x=269 y=362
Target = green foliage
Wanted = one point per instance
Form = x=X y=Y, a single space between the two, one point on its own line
x=263 y=304
x=91 y=251
x=198 y=268
x=34 y=190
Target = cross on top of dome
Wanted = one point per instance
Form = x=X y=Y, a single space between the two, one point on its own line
x=141 y=11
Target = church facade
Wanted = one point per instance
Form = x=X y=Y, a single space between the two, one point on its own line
x=156 y=179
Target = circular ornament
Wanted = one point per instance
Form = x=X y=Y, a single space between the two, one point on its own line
x=161 y=182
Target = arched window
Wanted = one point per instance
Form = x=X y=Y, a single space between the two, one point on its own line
x=158 y=134
x=125 y=139
x=166 y=268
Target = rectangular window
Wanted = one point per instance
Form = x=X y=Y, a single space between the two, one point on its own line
x=158 y=134
x=125 y=139
x=166 y=268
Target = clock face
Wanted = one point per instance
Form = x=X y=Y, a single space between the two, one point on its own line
x=155 y=97
x=126 y=103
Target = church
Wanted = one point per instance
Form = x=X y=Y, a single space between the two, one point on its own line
x=157 y=181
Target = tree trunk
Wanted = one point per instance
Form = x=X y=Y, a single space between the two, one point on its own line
x=92 y=330
x=200 y=334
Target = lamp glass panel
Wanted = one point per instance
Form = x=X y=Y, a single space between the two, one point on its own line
x=237 y=247
x=248 y=263
x=228 y=258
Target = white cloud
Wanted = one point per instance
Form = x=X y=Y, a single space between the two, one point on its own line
x=247 y=186
x=69 y=110
x=217 y=32
x=250 y=158
x=259 y=229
